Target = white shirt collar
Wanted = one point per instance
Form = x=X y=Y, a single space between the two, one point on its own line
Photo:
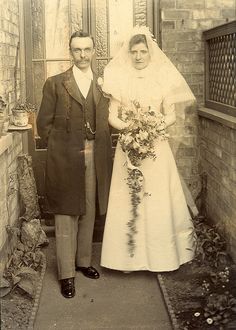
x=82 y=75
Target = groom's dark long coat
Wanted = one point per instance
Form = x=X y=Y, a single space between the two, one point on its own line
x=60 y=122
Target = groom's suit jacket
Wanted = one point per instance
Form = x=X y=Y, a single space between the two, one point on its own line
x=60 y=122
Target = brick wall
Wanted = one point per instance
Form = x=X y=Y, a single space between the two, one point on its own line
x=182 y=23
x=140 y=12
x=11 y=147
x=9 y=51
x=10 y=144
x=218 y=160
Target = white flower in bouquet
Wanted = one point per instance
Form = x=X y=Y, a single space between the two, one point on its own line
x=143 y=135
x=100 y=81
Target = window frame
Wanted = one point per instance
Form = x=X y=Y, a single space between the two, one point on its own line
x=218 y=31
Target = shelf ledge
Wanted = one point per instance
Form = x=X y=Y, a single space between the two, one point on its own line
x=217 y=116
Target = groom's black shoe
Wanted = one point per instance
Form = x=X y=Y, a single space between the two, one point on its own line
x=90 y=272
x=68 y=287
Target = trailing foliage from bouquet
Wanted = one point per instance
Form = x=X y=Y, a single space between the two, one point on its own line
x=138 y=142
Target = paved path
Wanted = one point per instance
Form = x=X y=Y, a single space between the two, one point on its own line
x=115 y=301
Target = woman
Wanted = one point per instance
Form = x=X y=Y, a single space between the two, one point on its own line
x=148 y=225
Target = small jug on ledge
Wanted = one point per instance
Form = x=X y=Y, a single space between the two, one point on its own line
x=21 y=113
x=20 y=117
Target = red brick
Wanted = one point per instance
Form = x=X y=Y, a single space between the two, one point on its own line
x=182 y=36
x=190 y=46
x=191 y=129
x=194 y=67
x=187 y=24
x=185 y=162
x=228 y=13
x=232 y=248
x=168 y=45
x=213 y=184
x=205 y=24
x=214 y=137
x=203 y=122
x=175 y=14
x=185 y=170
x=233 y=135
x=187 y=77
x=220 y=4
x=193 y=4
x=172 y=56
x=229 y=159
x=206 y=13
x=211 y=158
x=228 y=146
x=168 y=25
x=211 y=169
x=200 y=100
x=186 y=152
x=218 y=21
x=194 y=88
x=197 y=57
x=195 y=169
x=231 y=186
x=167 y=4
x=216 y=150
x=226 y=197
x=233 y=175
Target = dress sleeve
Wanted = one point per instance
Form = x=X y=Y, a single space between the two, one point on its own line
x=169 y=112
x=114 y=121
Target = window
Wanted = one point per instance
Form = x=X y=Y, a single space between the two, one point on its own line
x=220 y=68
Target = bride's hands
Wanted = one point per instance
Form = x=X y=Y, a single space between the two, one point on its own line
x=125 y=125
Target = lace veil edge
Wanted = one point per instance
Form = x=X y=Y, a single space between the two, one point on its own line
x=172 y=82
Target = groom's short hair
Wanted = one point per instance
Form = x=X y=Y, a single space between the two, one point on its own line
x=81 y=34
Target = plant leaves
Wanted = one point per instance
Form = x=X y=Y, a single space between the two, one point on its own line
x=16 y=279
x=4 y=283
x=4 y=291
x=27 y=285
x=25 y=271
x=20 y=246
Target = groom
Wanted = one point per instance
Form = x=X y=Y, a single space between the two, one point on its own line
x=73 y=119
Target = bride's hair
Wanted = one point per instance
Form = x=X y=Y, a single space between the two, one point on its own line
x=138 y=39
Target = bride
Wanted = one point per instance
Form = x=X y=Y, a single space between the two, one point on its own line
x=148 y=224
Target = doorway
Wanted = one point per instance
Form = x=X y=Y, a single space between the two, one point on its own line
x=48 y=25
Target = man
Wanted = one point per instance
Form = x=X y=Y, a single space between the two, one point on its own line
x=73 y=119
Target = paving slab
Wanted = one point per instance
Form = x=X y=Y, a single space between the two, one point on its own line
x=115 y=301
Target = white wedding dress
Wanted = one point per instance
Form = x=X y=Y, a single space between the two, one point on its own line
x=164 y=238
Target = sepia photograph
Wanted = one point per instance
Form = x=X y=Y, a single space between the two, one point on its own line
x=118 y=164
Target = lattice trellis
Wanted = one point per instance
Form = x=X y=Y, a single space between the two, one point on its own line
x=222 y=68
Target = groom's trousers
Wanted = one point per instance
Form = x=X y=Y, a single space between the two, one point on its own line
x=74 y=234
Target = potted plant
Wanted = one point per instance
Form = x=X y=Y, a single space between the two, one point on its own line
x=3 y=106
x=21 y=113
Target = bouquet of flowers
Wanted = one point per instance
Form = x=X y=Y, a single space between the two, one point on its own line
x=138 y=142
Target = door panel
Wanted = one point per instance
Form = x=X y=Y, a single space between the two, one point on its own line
x=58 y=27
x=49 y=24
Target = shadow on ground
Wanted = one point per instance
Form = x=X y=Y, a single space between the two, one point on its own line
x=114 y=301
